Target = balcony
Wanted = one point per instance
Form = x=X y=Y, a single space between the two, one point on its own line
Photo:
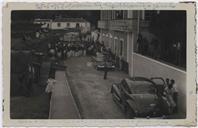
x=119 y=25
x=144 y=23
x=103 y=24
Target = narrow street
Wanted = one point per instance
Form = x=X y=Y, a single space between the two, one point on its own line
x=91 y=91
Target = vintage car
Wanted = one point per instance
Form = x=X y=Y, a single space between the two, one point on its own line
x=140 y=97
x=108 y=65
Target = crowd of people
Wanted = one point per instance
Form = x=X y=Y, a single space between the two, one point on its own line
x=66 y=49
x=63 y=50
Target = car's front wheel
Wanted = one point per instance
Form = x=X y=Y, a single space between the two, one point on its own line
x=129 y=112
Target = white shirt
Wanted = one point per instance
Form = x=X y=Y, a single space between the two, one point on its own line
x=50 y=85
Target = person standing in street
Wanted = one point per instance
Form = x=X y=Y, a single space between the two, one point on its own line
x=50 y=86
x=105 y=71
x=171 y=95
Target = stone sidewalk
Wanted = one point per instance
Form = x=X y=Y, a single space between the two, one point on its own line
x=62 y=105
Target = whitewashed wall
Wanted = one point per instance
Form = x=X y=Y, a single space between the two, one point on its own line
x=85 y=25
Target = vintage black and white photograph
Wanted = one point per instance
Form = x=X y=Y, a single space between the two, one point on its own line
x=99 y=63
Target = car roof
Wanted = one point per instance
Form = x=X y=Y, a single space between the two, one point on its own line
x=138 y=80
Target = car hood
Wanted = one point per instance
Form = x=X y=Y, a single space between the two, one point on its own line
x=143 y=103
x=102 y=65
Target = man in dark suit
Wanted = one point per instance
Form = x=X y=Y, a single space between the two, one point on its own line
x=105 y=71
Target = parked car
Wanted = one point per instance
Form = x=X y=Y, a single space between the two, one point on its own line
x=102 y=65
x=99 y=57
x=140 y=97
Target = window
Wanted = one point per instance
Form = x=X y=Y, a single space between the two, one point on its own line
x=77 y=25
x=135 y=14
x=109 y=15
x=68 y=24
x=115 y=45
x=58 y=24
x=121 y=47
x=119 y=14
x=112 y=14
x=149 y=15
x=125 y=14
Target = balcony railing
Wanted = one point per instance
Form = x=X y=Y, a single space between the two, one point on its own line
x=120 y=25
x=144 y=23
x=102 y=24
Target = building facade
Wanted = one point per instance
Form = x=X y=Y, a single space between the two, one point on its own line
x=123 y=31
x=118 y=31
x=65 y=23
x=44 y=22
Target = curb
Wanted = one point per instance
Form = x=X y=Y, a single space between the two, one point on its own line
x=76 y=107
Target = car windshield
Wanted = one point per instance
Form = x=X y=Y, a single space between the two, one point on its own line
x=107 y=63
x=141 y=87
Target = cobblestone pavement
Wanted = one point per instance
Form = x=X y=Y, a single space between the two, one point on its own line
x=91 y=91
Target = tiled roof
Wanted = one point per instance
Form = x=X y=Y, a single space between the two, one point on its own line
x=70 y=20
x=40 y=20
